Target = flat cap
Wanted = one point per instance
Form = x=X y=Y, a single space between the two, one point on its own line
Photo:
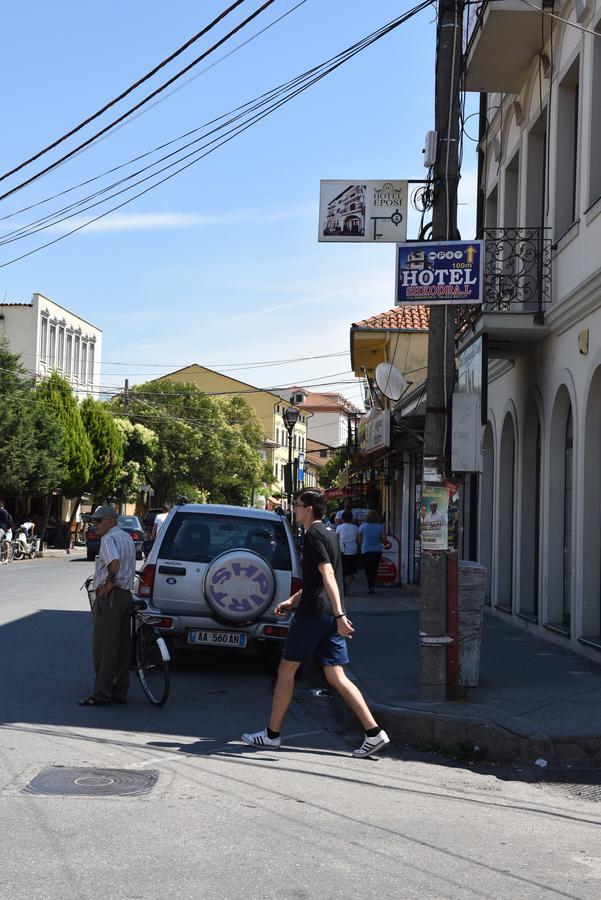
x=101 y=511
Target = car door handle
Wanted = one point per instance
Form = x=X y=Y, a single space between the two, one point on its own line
x=171 y=570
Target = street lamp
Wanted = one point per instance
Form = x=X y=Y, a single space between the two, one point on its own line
x=290 y=417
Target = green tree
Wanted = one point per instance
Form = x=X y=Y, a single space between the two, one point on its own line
x=329 y=475
x=76 y=448
x=107 y=450
x=139 y=447
x=30 y=436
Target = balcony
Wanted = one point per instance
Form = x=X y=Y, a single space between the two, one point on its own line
x=517 y=292
x=503 y=37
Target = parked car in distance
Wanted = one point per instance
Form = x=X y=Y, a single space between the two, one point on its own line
x=215 y=574
x=131 y=524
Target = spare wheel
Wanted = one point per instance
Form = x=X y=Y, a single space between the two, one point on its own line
x=239 y=586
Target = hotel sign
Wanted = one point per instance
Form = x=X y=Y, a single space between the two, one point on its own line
x=363 y=211
x=439 y=273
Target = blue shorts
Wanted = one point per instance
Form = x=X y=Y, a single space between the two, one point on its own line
x=315 y=636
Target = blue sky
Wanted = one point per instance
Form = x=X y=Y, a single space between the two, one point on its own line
x=221 y=265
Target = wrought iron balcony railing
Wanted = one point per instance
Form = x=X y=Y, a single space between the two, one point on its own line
x=517 y=269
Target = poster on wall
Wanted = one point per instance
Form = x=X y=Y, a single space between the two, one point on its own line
x=363 y=211
x=433 y=515
x=389 y=568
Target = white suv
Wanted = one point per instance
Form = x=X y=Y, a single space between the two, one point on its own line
x=215 y=574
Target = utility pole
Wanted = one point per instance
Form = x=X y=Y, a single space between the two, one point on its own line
x=441 y=348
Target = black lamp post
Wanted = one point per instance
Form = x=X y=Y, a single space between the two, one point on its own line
x=290 y=417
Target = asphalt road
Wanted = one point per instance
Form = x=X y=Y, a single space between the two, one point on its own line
x=225 y=821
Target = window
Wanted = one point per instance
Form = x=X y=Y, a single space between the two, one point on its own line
x=277 y=435
x=536 y=177
x=84 y=360
x=76 y=356
x=510 y=200
x=52 y=350
x=44 y=339
x=61 y=348
x=595 y=150
x=566 y=207
x=491 y=215
x=91 y=364
x=69 y=354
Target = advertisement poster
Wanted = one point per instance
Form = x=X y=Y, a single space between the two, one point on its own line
x=454 y=514
x=433 y=515
x=363 y=211
x=389 y=569
x=445 y=272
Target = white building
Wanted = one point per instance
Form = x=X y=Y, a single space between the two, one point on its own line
x=50 y=337
x=539 y=528
x=329 y=415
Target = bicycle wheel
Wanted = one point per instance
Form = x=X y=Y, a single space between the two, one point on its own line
x=152 y=669
x=18 y=551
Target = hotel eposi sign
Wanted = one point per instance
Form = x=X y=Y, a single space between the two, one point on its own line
x=363 y=211
x=439 y=273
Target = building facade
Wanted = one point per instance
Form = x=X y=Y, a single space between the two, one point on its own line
x=269 y=408
x=539 y=521
x=51 y=338
x=346 y=212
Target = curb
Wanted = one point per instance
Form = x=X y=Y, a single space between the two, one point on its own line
x=484 y=740
x=60 y=554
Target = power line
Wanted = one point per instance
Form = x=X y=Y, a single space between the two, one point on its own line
x=134 y=108
x=341 y=58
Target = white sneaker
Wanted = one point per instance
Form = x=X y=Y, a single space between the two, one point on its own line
x=372 y=745
x=261 y=739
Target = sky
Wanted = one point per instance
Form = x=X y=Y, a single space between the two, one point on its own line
x=220 y=265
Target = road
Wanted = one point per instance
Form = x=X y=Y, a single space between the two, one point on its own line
x=224 y=820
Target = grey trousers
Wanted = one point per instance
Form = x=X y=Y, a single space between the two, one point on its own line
x=111 y=645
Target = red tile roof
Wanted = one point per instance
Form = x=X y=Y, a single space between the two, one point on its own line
x=416 y=318
x=325 y=401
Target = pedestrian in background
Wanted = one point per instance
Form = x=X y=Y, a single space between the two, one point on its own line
x=113 y=583
x=159 y=521
x=371 y=536
x=348 y=535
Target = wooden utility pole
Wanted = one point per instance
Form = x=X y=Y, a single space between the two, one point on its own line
x=441 y=348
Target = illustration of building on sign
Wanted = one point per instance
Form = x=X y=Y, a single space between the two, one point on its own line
x=346 y=212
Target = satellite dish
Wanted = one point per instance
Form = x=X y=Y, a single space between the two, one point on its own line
x=390 y=381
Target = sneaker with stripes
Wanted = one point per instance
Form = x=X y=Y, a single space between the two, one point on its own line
x=261 y=739
x=372 y=745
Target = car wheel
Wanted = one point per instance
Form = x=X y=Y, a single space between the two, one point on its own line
x=239 y=586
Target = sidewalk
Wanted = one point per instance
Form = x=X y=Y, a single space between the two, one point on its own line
x=535 y=699
x=61 y=554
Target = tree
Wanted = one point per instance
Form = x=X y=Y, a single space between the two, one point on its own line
x=330 y=473
x=30 y=436
x=107 y=450
x=76 y=448
x=139 y=447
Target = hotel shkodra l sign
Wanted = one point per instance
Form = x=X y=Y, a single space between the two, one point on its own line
x=363 y=211
x=439 y=273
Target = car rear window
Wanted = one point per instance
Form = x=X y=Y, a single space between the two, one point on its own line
x=195 y=537
x=128 y=522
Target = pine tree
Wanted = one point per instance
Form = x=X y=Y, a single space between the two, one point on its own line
x=107 y=450
x=76 y=447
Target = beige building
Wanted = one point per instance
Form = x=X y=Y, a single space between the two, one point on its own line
x=51 y=338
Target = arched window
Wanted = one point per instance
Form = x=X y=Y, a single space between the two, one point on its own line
x=529 y=546
x=505 y=536
x=561 y=515
x=568 y=495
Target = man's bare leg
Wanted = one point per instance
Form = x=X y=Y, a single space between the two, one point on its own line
x=283 y=693
x=350 y=693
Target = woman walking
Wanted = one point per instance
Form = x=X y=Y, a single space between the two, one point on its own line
x=371 y=535
x=348 y=536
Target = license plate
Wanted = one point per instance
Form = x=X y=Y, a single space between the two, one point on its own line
x=217 y=638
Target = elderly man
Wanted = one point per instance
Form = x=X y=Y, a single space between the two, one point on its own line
x=113 y=583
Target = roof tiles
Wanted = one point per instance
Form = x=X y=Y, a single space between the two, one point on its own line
x=401 y=317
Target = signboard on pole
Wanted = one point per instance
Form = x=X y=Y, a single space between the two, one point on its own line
x=472 y=373
x=301 y=467
x=439 y=272
x=363 y=211
x=374 y=431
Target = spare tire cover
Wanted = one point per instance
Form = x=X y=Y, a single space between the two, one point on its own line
x=239 y=586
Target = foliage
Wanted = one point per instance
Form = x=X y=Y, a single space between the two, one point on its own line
x=75 y=448
x=107 y=450
x=330 y=473
x=206 y=446
x=139 y=446
x=31 y=438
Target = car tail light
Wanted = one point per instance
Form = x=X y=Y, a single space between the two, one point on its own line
x=145 y=584
x=91 y=536
x=135 y=535
x=275 y=631
x=297 y=585
x=165 y=622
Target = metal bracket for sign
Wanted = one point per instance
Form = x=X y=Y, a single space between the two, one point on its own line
x=426 y=639
x=396 y=218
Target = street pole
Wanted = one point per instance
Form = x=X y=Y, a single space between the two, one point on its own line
x=441 y=348
x=290 y=430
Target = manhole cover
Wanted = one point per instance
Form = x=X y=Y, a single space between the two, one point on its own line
x=578 y=784
x=86 y=782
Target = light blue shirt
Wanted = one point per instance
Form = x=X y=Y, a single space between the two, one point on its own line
x=371 y=537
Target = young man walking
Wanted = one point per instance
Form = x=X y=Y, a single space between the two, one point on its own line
x=319 y=628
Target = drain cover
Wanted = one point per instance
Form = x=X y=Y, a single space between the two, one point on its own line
x=578 y=784
x=86 y=782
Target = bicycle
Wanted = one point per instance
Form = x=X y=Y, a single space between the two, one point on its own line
x=6 y=552
x=149 y=653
